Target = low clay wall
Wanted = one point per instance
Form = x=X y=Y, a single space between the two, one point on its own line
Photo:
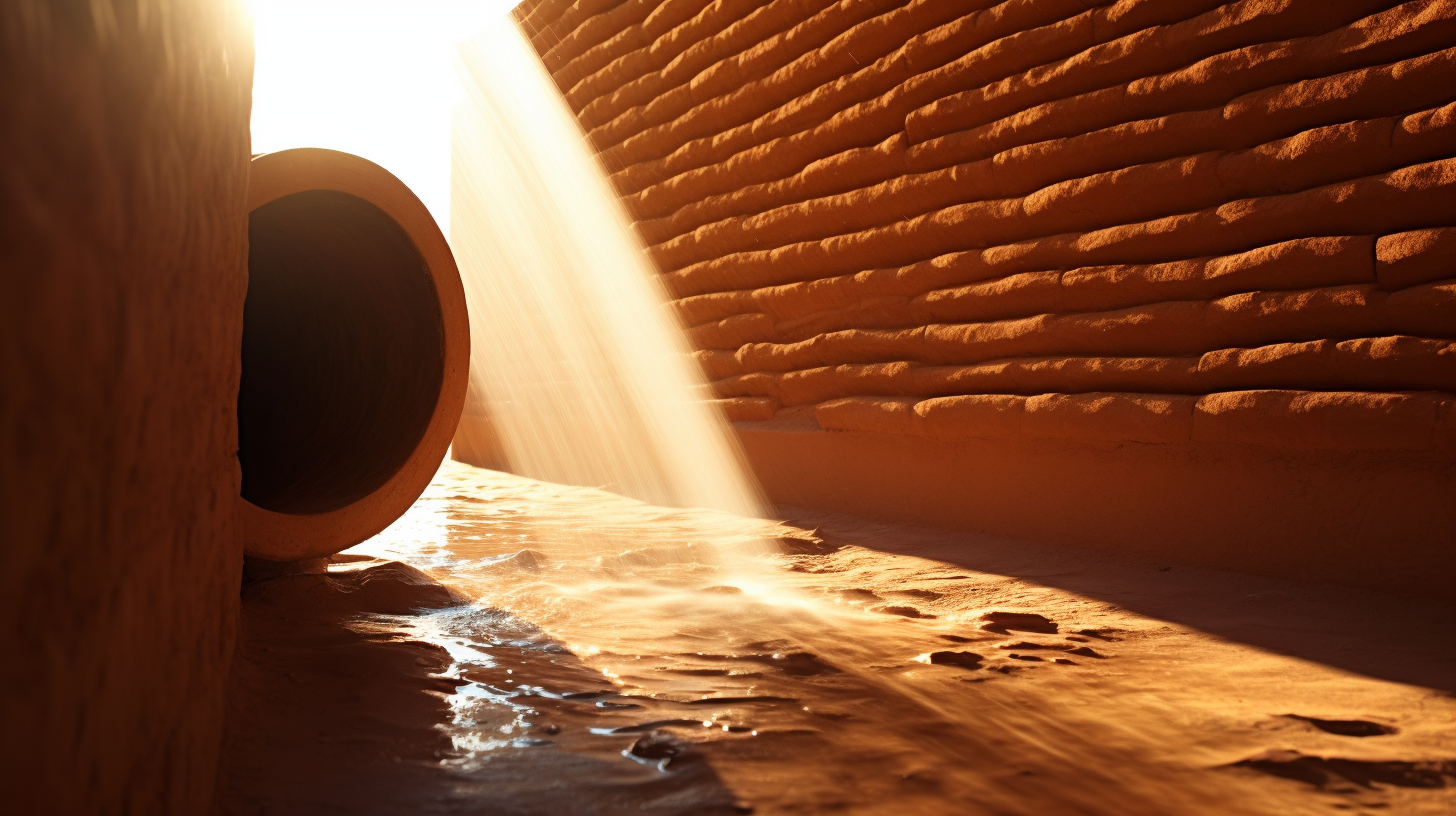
x=123 y=268
x=1173 y=278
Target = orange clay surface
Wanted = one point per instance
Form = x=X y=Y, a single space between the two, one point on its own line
x=1171 y=279
x=517 y=647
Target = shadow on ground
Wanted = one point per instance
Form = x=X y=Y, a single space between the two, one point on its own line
x=334 y=708
x=1405 y=639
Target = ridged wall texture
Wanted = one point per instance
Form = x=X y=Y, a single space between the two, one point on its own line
x=1207 y=225
x=123 y=266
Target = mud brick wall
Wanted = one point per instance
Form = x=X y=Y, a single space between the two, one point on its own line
x=1206 y=244
x=123 y=266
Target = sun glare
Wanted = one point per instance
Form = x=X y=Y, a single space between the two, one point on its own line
x=371 y=77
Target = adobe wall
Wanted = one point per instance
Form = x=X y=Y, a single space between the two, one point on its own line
x=1162 y=277
x=123 y=245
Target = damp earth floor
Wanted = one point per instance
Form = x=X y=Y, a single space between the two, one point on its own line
x=516 y=647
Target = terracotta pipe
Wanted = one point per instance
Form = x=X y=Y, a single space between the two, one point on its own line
x=356 y=349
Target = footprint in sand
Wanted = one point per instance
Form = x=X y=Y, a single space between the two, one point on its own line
x=1339 y=775
x=1346 y=728
x=904 y=612
x=1024 y=646
x=965 y=660
x=1004 y=622
x=1068 y=648
x=1100 y=634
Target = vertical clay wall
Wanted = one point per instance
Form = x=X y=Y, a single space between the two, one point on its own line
x=1163 y=277
x=123 y=244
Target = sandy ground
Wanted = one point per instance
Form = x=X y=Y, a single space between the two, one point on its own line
x=513 y=647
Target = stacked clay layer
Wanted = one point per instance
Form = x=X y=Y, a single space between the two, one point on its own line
x=1142 y=220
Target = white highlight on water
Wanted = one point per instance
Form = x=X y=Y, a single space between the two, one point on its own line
x=583 y=370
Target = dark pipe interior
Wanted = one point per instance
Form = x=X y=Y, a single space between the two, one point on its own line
x=343 y=352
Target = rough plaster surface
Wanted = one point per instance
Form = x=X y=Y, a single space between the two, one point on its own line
x=1218 y=230
x=123 y=247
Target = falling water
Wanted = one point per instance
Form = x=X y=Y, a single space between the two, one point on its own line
x=583 y=370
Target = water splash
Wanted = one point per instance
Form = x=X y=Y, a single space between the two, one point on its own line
x=584 y=372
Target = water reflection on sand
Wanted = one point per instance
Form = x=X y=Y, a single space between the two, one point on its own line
x=651 y=652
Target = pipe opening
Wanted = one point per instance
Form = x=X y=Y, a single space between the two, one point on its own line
x=343 y=352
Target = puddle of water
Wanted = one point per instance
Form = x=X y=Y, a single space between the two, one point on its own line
x=663 y=646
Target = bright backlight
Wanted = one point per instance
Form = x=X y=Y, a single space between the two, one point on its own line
x=371 y=77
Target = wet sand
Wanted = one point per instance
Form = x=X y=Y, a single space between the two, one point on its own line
x=518 y=647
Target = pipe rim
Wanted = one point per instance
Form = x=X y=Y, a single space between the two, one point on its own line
x=289 y=537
